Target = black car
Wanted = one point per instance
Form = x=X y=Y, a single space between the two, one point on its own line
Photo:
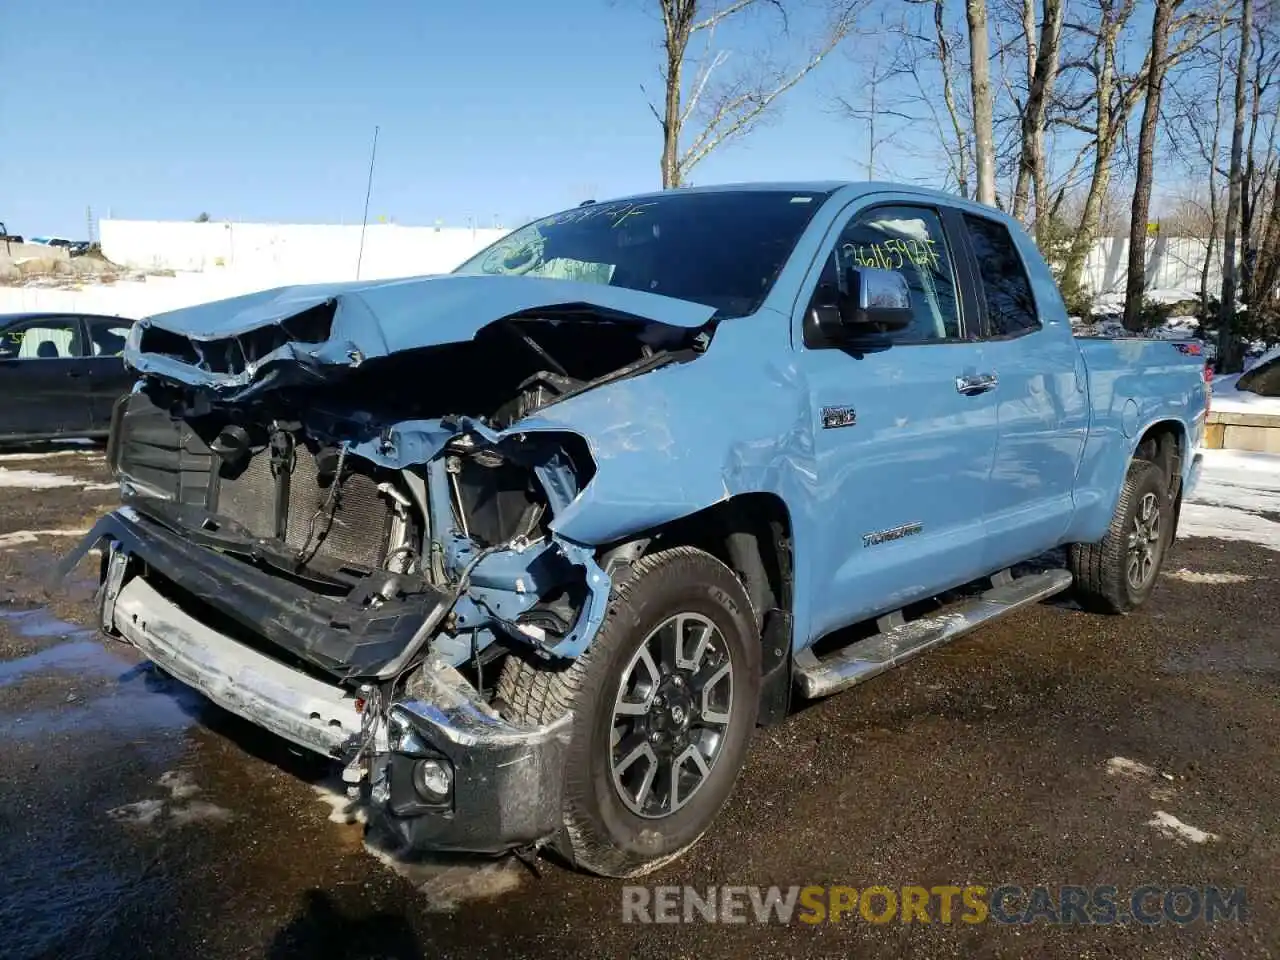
x=60 y=374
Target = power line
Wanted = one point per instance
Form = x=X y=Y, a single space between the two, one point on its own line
x=373 y=156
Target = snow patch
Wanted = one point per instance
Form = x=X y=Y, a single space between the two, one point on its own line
x=49 y=454
x=1235 y=486
x=1123 y=767
x=1226 y=523
x=39 y=480
x=140 y=813
x=20 y=537
x=179 y=784
x=1172 y=828
x=35 y=480
x=444 y=886
x=1191 y=576
x=181 y=810
x=343 y=809
x=198 y=810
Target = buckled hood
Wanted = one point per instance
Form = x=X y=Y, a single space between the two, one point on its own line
x=243 y=344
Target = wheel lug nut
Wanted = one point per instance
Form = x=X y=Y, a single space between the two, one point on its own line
x=678 y=681
x=655 y=736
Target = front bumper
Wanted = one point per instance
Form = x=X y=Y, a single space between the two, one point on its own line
x=342 y=637
x=505 y=785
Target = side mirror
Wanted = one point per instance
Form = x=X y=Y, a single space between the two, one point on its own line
x=876 y=301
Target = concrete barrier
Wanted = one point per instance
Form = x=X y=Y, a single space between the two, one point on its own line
x=1258 y=432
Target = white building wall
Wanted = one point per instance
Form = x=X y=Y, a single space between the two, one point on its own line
x=291 y=253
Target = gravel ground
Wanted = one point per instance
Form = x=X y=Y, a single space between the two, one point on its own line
x=138 y=820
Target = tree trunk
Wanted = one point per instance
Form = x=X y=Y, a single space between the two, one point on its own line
x=1214 y=216
x=1228 y=361
x=980 y=73
x=671 y=122
x=949 y=98
x=1100 y=181
x=1043 y=72
x=1135 y=283
x=1247 y=188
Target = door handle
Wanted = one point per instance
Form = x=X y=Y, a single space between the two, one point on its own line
x=972 y=384
x=75 y=373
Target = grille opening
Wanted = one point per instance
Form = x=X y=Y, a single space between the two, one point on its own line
x=290 y=501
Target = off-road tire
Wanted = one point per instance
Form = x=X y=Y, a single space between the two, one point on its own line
x=1101 y=569
x=599 y=833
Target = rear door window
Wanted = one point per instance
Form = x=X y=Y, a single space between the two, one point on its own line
x=1011 y=306
x=49 y=338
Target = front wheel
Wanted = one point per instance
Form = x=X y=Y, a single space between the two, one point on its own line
x=664 y=703
x=1117 y=574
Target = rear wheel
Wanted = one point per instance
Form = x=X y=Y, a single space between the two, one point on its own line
x=664 y=702
x=1118 y=573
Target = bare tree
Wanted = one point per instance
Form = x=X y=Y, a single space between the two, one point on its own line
x=723 y=108
x=1113 y=93
x=1196 y=140
x=927 y=58
x=984 y=143
x=1258 y=170
x=1228 y=356
x=1157 y=65
x=878 y=106
x=1042 y=73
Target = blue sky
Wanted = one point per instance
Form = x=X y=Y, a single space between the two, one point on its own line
x=493 y=109
x=264 y=111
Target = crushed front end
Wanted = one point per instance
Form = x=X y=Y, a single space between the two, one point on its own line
x=316 y=540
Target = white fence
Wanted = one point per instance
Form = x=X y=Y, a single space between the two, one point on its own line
x=1173 y=263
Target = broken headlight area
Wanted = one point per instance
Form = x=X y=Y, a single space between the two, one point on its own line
x=364 y=546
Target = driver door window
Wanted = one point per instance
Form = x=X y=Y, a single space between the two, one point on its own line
x=910 y=241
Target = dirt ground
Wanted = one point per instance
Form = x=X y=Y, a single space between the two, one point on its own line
x=137 y=820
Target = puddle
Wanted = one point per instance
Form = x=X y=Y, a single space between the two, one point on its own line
x=79 y=656
x=38 y=622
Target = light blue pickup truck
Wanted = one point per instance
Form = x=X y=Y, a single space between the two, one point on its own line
x=531 y=548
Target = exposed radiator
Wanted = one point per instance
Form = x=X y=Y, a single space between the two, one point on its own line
x=361 y=525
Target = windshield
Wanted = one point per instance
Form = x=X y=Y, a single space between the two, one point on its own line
x=721 y=249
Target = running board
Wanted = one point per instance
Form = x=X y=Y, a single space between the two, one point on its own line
x=900 y=641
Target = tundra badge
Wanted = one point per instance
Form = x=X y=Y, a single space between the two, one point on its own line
x=893 y=533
